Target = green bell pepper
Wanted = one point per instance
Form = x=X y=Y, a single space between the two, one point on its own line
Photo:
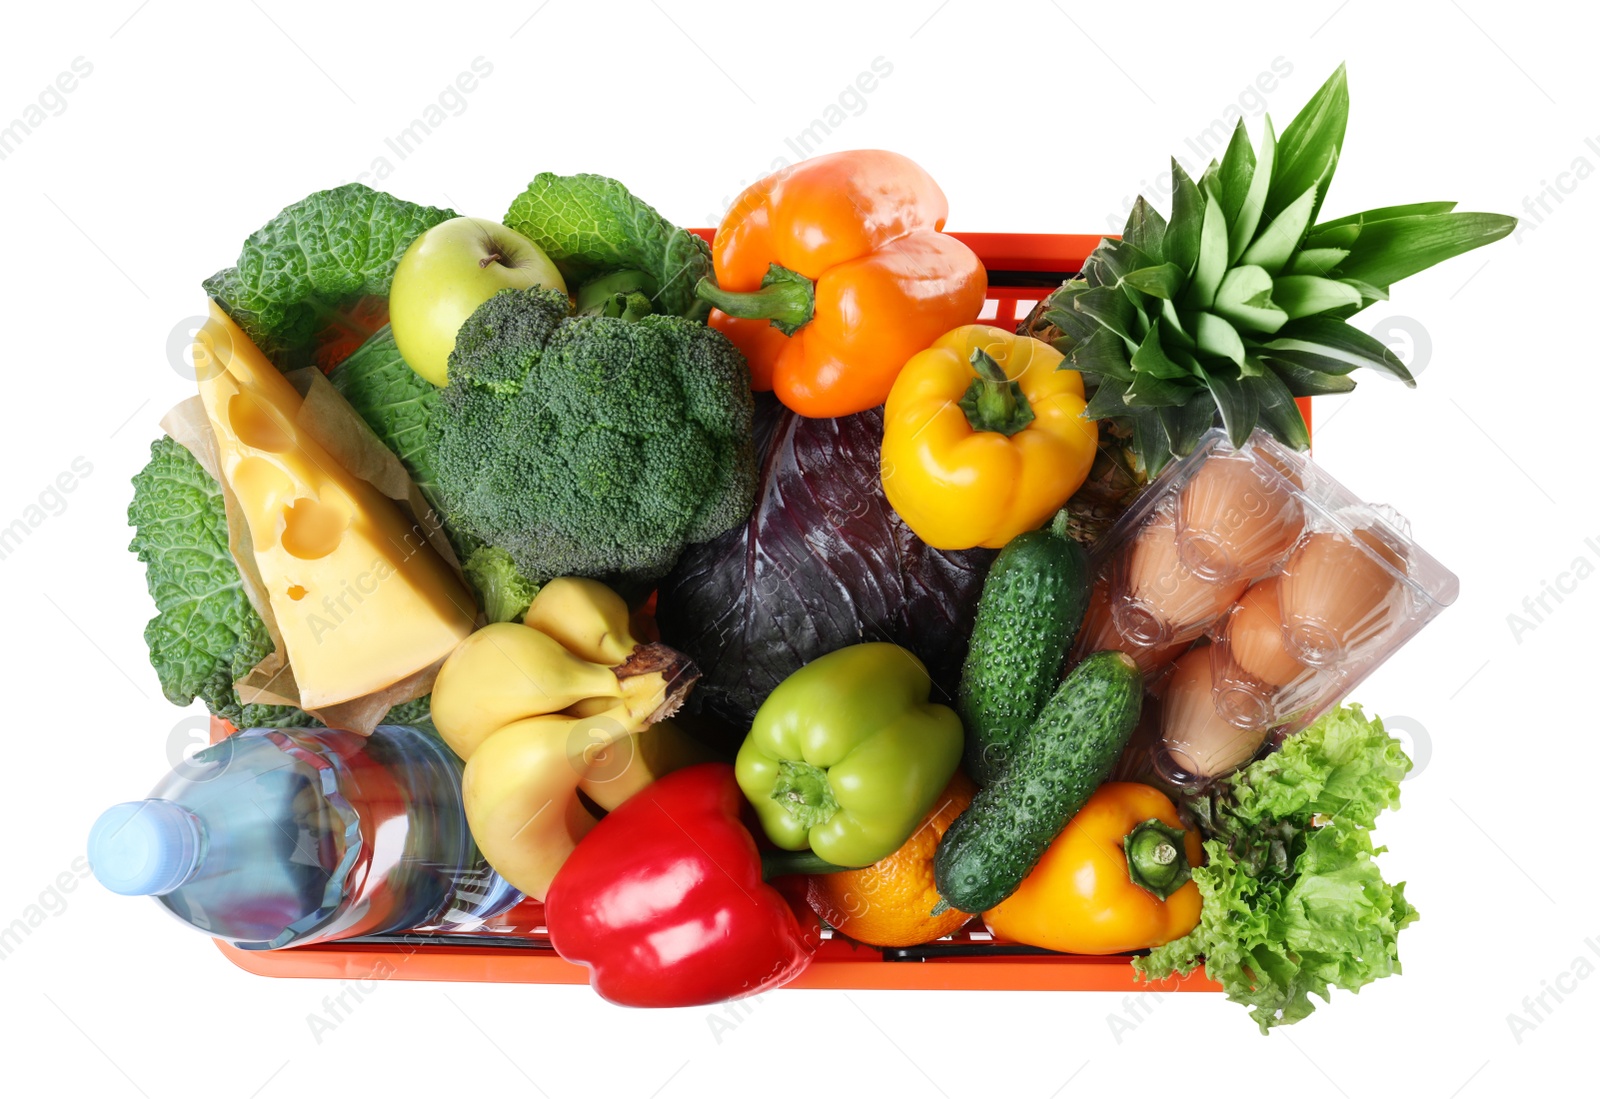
x=847 y=755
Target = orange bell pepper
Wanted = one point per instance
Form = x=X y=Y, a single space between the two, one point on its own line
x=984 y=438
x=1116 y=879
x=834 y=272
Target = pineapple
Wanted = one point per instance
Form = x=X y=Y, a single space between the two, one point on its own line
x=1240 y=302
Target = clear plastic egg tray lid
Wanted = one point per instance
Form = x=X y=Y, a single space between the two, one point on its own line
x=1255 y=592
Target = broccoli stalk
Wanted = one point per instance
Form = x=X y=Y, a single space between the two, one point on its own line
x=596 y=445
x=624 y=294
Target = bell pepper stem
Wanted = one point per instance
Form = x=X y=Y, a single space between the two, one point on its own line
x=777 y=864
x=787 y=298
x=993 y=402
x=1157 y=862
x=804 y=792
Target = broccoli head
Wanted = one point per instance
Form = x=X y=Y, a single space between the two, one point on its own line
x=592 y=446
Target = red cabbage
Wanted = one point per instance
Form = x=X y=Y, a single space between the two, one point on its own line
x=823 y=562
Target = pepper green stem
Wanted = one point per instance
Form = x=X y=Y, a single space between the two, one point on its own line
x=993 y=402
x=804 y=793
x=1157 y=862
x=777 y=864
x=787 y=298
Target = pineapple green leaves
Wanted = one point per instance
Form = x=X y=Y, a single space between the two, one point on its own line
x=1239 y=302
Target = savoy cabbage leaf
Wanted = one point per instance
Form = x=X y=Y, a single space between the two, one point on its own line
x=590 y=225
x=205 y=634
x=316 y=257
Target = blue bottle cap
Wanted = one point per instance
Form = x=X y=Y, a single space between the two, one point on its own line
x=145 y=848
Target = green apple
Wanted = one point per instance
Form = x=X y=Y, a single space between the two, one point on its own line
x=446 y=274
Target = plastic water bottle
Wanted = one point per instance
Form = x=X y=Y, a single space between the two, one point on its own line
x=283 y=837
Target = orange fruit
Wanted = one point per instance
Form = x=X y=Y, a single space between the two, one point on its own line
x=888 y=903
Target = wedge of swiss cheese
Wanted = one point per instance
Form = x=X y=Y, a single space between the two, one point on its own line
x=362 y=601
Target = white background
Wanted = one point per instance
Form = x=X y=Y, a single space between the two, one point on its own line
x=198 y=122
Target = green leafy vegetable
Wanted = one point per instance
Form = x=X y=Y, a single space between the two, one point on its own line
x=316 y=257
x=1293 y=902
x=205 y=634
x=418 y=713
x=1345 y=767
x=591 y=227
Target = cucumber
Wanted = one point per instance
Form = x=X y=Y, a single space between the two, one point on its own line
x=1069 y=751
x=1032 y=604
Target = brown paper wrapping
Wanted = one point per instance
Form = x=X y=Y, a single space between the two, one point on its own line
x=326 y=417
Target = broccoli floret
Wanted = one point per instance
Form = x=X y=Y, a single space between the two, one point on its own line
x=503 y=592
x=592 y=446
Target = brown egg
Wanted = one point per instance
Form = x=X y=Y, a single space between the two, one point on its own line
x=1159 y=600
x=1197 y=740
x=1255 y=637
x=1099 y=633
x=1338 y=595
x=1258 y=680
x=1236 y=519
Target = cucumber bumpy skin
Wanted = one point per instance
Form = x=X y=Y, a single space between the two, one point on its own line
x=1032 y=604
x=1070 y=750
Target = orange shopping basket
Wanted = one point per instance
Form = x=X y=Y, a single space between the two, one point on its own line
x=1022 y=268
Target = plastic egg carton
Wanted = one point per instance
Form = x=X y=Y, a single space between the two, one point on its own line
x=1255 y=592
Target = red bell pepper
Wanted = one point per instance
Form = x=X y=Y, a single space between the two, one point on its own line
x=664 y=900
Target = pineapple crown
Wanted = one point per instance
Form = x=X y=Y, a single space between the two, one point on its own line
x=1240 y=302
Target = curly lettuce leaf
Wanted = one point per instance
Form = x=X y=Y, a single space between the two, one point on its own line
x=1272 y=945
x=205 y=634
x=317 y=257
x=1293 y=901
x=1345 y=766
x=590 y=226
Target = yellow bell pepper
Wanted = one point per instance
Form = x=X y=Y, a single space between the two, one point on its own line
x=984 y=438
x=565 y=701
x=1116 y=879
